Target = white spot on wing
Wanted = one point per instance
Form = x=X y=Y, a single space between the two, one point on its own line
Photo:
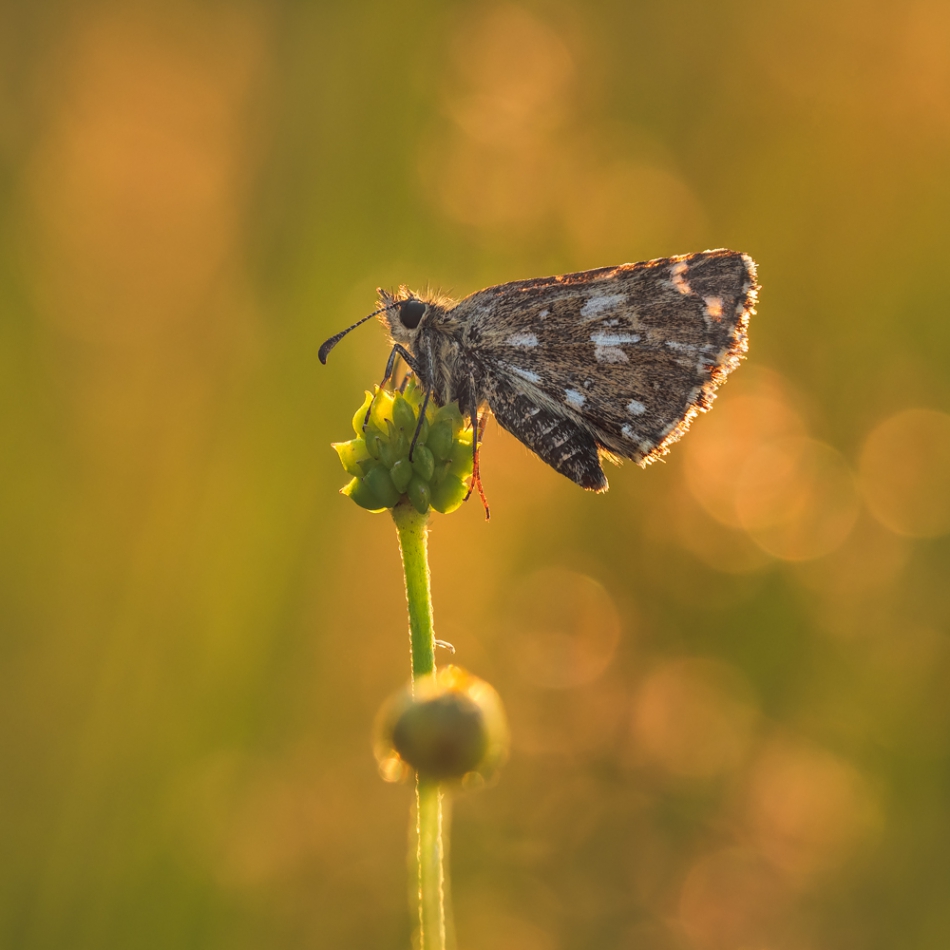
x=610 y=354
x=522 y=339
x=628 y=433
x=543 y=313
x=636 y=408
x=526 y=374
x=678 y=277
x=574 y=398
x=713 y=307
x=614 y=339
x=597 y=305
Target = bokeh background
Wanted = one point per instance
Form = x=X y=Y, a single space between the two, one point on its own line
x=728 y=679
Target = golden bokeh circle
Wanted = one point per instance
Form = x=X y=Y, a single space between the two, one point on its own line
x=797 y=498
x=905 y=473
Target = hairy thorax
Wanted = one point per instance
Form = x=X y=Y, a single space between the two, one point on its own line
x=445 y=363
x=450 y=368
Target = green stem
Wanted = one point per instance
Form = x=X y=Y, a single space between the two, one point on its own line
x=413 y=543
x=430 y=846
x=429 y=854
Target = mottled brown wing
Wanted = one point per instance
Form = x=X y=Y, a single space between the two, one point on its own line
x=628 y=354
x=566 y=443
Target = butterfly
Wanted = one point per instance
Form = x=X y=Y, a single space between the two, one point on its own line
x=612 y=363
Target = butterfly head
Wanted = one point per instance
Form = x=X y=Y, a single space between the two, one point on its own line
x=404 y=313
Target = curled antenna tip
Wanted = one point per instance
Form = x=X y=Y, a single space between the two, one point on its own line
x=324 y=350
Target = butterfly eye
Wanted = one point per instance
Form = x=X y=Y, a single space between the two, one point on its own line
x=410 y=313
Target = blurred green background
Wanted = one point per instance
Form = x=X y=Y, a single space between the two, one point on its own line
x=728 y=679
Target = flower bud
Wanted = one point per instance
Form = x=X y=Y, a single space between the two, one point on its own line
x=450 y=729
x=440 y=440
x=419 y=494
x=402 y=473
x=438 y=473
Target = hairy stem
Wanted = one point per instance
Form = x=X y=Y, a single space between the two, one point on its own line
x=430 y=855
x=430 y=851
x=413 y=544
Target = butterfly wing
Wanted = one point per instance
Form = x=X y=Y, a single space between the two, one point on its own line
x=615 y=361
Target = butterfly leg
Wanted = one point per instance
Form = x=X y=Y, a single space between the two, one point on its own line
x=476 y=467
x=397 y=350
x=422 y=415
x=478 y=429
x=425 y=405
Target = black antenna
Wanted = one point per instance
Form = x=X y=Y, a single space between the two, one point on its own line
x=332 y=342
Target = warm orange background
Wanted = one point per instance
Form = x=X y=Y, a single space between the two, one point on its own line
x=728 y=679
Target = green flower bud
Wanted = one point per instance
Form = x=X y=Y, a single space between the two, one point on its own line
x=400 y=444
x=363 y=495
x=374 y=443
x=382 y=410
x=415 y=396
x=380 y=483
x=351 y=454
x=441 y=470
x=461 y=457
x=419 y=494
x=402 y=473
x=424 y=432
x=452 y=415
x=423 y=462
x=440 y=440
x=361 y=415
x=403 y=415
x=378 y=457
x=388 y=453
x=448 y=494
x=450 y=728
x=442 y=737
